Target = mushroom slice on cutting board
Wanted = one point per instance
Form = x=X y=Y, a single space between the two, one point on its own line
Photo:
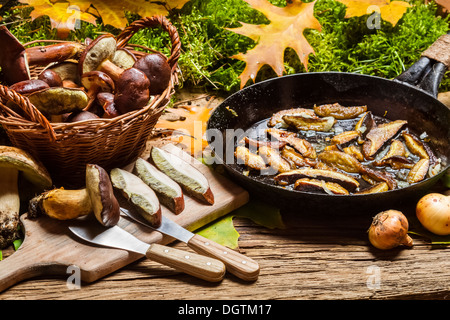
x=192 y=181
x=142 y=197
x=12 y=161
x=342 y=179
x=99 y=187
x=168 y=191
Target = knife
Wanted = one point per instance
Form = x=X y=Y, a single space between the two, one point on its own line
x=235 y=262
x=199 y=266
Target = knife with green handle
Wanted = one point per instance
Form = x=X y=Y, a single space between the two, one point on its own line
x=194 y=264
x=236 y=263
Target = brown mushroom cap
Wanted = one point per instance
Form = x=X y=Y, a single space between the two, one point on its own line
x=97 y=81
x=13 y=60
x=132 y=91
x=51 y=78
x=57 y=101
x=27 y=87
x=157 y=70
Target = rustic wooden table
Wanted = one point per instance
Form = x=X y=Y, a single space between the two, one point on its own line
x=313 y=257
x=316 y=256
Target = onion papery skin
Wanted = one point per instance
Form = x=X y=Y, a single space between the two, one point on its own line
x=389 y=229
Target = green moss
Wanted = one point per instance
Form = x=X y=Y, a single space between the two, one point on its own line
x=345 y=45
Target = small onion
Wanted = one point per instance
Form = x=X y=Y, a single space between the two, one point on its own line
x=389 y=230
x=433 y=212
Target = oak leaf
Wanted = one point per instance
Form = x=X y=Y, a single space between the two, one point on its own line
x=391 y=11
x=189 y=128
x=285 y=29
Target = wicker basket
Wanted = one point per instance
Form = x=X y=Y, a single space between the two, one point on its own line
x=66 y=148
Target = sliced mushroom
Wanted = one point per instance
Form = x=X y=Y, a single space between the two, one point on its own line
x=377 y=188
x=365 y=124
x=380 y=135
x=192 y=181
x=355 y=151
x=395 y=149
x=377 y=176
x=157 y=70
x=396 y=162
x=299 y=144
x=419 y=171
x=340 y=160
x=277 y=118
x=300 y=122
x=314 y=185
x=142 y=197
x=296 y=158
x=167 y=190
x=345 y=138
x=274 y=159
x=338 y=111
x=259 y=143
x=12 y=161
x=249 y=159
x=104 y=204
x=13 y=60
x=342 y=179
x=414 y=145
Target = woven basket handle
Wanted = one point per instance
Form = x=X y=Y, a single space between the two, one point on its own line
x=153 y=22
x=31 y=111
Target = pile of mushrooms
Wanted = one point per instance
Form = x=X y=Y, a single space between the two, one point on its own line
x=83 y=81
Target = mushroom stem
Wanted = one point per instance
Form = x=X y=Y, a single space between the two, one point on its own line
x=111 y=69
x=9 y=206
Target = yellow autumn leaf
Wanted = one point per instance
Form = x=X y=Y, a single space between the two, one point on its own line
x=391 y=11
x=285 y=29
x=63 y=16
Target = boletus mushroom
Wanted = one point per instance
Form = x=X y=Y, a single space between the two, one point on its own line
x=96 y=82
x=12 y=161
x=54 y=102
x=132 y=91
x=64 y=204
x=157 y=70
x=13 y=60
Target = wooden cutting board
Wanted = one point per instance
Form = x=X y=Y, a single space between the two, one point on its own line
x=49 y=248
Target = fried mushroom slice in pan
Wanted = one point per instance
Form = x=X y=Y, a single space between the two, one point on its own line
x=340 y=160
x=277 y=117
x=338 y=111
x=314 y=185
x=419 y=171
x=249 y=159
x=300 y=122
x=274 y=159
x=301 y=145
x=380 y=135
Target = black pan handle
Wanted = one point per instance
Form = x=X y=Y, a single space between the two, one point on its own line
x=427 y=73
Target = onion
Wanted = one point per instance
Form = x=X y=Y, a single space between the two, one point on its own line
x=433 y=212
x=389 y=229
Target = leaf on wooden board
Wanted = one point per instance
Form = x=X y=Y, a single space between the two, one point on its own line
x=285 y=29
x=189 y=129
x=223 y=231
x=391 y=11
